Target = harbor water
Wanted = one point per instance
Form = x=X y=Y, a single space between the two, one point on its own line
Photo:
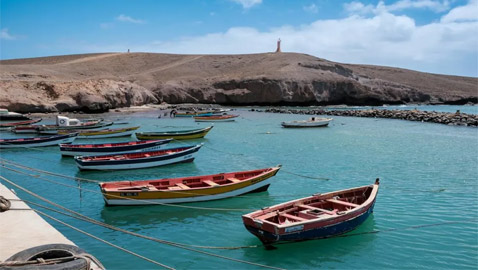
x=425 y=216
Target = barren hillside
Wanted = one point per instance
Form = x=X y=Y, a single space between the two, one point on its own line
x=98 y=82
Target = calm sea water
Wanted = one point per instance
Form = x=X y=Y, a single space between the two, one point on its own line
x=428 y=176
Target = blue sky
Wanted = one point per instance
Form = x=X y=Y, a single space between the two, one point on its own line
x=438 y=36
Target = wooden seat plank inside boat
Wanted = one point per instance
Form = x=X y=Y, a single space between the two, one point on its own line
x=343 y=203
x=316 y=209
x=292 y=217
x=234 y=180
x=183 y=186
x=211 y=183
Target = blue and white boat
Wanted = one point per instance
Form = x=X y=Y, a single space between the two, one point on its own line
x=138 y=160
x=110 y=148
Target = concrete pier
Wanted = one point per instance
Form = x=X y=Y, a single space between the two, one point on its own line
x=23 y=229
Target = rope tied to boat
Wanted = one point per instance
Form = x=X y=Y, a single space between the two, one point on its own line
x=5 y=204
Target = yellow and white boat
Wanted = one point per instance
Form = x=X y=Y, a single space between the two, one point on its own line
x=103 y=133
x=187 y=189
x=177 y=135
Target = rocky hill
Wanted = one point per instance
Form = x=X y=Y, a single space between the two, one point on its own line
x=98 y=82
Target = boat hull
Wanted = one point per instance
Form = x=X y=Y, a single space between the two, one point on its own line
x=179 y=157
x=46 y=142
x=261 y=186
x=332 y=230
x=100 y=134
x=186 y=136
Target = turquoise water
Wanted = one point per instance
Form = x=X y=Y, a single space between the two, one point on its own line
x=428 y=176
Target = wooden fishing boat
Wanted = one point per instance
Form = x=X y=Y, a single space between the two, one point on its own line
x=138 y=160
x=187 y=189
x=177 y=135
x=22 y=123
x=193 y=113
x=5 y=115
x=215 y=118
x=38 y=141
x=53 y=129
x=317 y=216
x=103 y=133
x=110 y=148
x=312 y=122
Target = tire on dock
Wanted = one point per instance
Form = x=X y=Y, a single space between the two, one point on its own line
x=64 y=256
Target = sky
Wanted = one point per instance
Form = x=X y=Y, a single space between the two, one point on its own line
x=437 y=36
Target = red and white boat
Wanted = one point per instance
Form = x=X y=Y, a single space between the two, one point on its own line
x=38 y=141
x=317 y=216
x=22 y=123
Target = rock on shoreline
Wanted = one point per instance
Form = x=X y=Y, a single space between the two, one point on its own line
x=456 y=119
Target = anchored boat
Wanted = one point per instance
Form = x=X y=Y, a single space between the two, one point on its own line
x=317 y=216
x=5 y=115
x=215 y=118
x=138 y=160
x=22 y=123
x=38 y=141
x=110 y=148
x=103 y=133
x=312 y=122
x=177 y=135
x=187 y=189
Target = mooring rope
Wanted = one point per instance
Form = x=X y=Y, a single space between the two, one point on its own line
x=104 y=241
x=183 y=246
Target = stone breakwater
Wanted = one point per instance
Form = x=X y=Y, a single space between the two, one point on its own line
x=455 y=119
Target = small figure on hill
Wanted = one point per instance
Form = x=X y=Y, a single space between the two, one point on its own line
x=128 y=50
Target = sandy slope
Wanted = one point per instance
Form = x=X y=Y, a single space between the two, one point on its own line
x=97 y=82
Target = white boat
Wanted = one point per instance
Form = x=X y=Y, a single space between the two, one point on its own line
x=312 y=122
x=10 y=116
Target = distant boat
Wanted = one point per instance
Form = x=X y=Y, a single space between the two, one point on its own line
x=37 y=141
x=215 y=118
x=187 y=189
x=103 y=133
x=193 y=113
x=312 y=122
x=177 y=135
x=5 y=115
x=138 y=160
x=63 y=123
x=110 y=148
x=317 y=216
x=22 y=123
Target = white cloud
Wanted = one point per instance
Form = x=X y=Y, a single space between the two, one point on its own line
x=124 y=18
x=5 y=35
x=436 y=6
x=247 y=3
x=463 y=13
x=312 y=8
x=448 y=46
x=356 y=7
